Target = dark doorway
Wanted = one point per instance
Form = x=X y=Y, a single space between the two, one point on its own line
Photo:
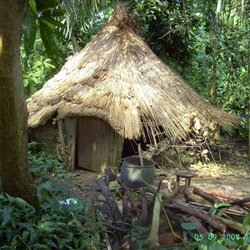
x=130 y=147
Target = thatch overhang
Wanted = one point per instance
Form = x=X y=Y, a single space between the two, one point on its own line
x=118 y=78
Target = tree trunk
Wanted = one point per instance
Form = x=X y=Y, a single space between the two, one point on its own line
x=215 y=52
x=249 y=130
x=15 y=177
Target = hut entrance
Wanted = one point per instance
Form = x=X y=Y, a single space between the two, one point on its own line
x=130 y=147
x=98 y=145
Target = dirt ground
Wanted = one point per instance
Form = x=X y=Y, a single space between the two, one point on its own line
x=230 y=176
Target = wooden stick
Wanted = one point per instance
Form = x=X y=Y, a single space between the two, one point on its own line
x=240 y=201
x=226 y=197
x=109 y=175
x=153 y=239
x=234 y=225
x=229 y=211
x=144 y=207
x=126 y=209
x=206 y=196
x=204 y=216
x=128 y=195
x=140 y=154
x=190 y=196
x=110 y=199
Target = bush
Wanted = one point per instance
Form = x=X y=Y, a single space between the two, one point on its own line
x=63 y=222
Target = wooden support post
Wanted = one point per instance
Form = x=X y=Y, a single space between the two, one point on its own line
x=67 y=142
x=62 y=145
x=249 y=130
x=70 y=142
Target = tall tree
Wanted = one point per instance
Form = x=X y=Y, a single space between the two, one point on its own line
x=15 y=177
x=215 y=51
x=14 y=172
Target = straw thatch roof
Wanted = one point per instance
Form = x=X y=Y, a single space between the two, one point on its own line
x=118 y=78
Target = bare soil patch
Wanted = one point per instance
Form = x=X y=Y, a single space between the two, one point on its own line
x=230 y=176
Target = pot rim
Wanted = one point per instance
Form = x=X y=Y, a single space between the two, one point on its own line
x=147 y=163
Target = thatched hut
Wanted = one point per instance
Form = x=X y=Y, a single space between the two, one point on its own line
x=115 y=88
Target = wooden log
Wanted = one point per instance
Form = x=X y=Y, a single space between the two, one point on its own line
x=227 y=197
x=117 y=224
x=190 y=196
x=234 y=225
x=116 y=214
x=206 y=196
x=240 y=201
x=204 y=216
x=144 y=207
x=128 y=195
x=126 y=209
x=229 y=211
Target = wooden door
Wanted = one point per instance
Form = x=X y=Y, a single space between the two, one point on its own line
x=98 y=145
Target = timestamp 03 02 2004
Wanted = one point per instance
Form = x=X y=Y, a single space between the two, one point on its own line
x=212 y=236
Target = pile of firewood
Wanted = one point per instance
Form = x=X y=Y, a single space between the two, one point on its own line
x=166 y=214
x=195 y=147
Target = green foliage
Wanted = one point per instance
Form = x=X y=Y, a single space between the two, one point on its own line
x=211 y=241
x=246 y=221
x=44 y=52
x=216 y=206
x=225 y=241
x=63 y=222
x=164 y=25
x=42 y=164
x=41 y=14
x=57 y=22
x=190 y=226
x=29 y=31
x=137 y=236
x=81 y=17
x=182 y=33
x=37 y=68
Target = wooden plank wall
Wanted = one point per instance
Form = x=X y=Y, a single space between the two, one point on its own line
x=98 y=145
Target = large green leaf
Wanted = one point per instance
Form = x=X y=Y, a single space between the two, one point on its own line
x=23 y=204
x=49 y=41
x=213 y=245
x=52 y=21
x=29 y=31
x=190 y=226
x=246 y=221
x=222 y=204
x=6 y=214
x=32 y=6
